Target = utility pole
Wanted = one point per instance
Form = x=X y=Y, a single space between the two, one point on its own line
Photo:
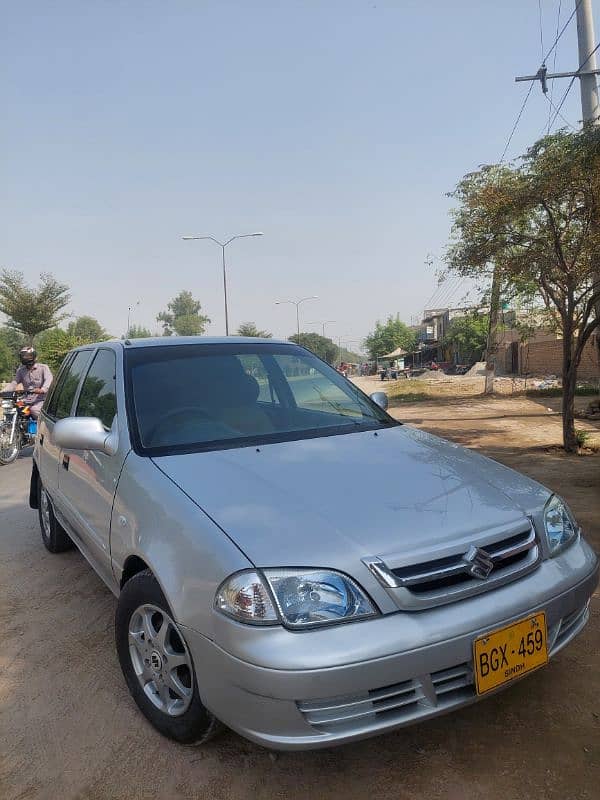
x=492 y=338
x=586 y=41
x=588 y=84
x=588 y=66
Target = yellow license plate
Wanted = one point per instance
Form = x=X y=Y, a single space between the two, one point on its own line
x=503 y=655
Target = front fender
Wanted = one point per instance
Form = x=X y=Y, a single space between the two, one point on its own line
x=188 y=553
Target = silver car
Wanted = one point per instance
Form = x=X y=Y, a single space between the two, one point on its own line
x=288 y=559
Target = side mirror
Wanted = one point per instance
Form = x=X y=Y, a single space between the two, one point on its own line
x=85 y=433
x=381 y=399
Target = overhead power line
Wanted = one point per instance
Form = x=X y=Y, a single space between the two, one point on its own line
x=552 y=107
x=518 y=119
x=551 y=98
x=571 y=82
x=558 y=37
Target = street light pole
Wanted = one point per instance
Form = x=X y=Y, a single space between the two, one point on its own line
x=129 y=310
x=223 y=245
x=323 y=324
x=297 y=303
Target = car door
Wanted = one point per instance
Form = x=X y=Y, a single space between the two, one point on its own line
x=58 y=405
x=87 y=479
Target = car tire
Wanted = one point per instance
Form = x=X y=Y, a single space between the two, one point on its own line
x=54 y=536
x=157 y=664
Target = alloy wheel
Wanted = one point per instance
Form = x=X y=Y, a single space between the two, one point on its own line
x=160 y=660
x=45 y=513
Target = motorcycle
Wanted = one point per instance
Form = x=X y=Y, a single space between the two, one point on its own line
x=17 y=426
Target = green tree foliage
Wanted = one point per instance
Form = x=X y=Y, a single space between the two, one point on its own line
x=7 y=363
x=349 y=356
x=183 y=316
x=10 y=343
x=467 y=336
x=537 y=222
x=87 y=329
x=138 y=332
x=388 y=336
x=53 y=345
x=250 y=329
x=320 y=345
x=32 y=310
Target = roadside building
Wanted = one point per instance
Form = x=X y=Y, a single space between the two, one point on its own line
x=527 y=345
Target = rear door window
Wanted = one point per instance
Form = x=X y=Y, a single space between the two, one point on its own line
x=52 y=396
x=98 y=396
x=62 y=400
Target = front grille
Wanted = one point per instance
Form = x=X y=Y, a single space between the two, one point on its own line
x=446 y=572
x=401 y=702
x=443 y=580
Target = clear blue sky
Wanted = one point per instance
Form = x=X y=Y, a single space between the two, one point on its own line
x=334 y=126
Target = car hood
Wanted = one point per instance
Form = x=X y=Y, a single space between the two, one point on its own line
x=329 y=500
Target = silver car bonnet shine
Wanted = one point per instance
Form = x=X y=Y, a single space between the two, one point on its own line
x=399 y=492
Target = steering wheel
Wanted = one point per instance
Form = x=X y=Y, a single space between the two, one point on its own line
x=173 y=417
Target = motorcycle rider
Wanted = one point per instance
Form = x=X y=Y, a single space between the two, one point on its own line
x=32 y=378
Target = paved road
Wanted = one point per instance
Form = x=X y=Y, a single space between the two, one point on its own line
x=69 y=730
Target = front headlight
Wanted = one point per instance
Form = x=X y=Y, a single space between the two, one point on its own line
x=303 y=598
x=560 y=525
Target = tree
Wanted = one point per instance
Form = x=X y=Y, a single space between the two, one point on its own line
x=88 y=329
x=349 y=356
x=388 y=336
x=7 y=363
x=536 y=224
x=53 y=345
x=321 y=346
x=32 y=310
x=467 y=336
x=183 y=316
x=138 y=332
x=250 y=329
x=10 y=343
x=13 y=340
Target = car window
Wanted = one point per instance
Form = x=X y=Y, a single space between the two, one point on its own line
x=52 y=396
x=98 y=397
x=65 y=394
x=187 y=397
x=314 y=390
x=256 y=369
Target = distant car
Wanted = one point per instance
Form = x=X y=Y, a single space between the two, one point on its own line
x=213 y=485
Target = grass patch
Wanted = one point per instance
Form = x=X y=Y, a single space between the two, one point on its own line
x=414 y=390
x=584 y=390
x=581 y=436
x=410 y=397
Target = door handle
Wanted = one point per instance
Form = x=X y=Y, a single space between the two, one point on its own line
x=65 y=462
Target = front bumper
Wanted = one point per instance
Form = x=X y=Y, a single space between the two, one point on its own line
x=349 y=687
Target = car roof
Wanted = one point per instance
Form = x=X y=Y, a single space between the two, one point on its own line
x=171 y=341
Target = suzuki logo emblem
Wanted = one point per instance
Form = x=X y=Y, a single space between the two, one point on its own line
x=478 y=563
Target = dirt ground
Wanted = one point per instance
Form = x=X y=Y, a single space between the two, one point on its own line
x=68 y=728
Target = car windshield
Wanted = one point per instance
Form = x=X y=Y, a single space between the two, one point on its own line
x=190 y=397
